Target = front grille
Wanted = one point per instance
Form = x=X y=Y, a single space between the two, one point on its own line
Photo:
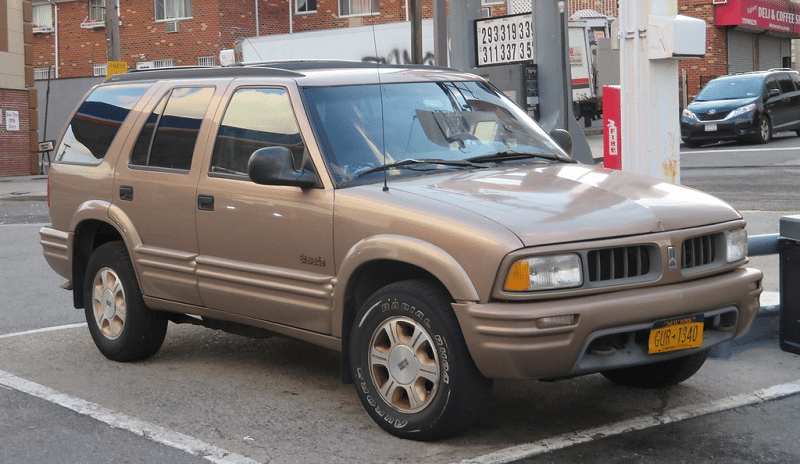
x=699 y=251
x=619 y=263
x=712 y=117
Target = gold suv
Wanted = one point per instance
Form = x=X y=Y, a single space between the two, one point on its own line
x=413 y=218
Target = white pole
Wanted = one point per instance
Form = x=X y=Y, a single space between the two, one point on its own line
x=650 y=128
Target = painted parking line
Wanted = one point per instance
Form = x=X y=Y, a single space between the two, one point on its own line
x=152 y=432
x=43 y=330
x=566 y=440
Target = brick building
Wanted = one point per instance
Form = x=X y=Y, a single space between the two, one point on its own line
x=18 y=116
x=70 y=37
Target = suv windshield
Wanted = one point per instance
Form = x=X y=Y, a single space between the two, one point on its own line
x=732 y=88
x=429 y=126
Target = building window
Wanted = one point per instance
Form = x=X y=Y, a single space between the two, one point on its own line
x=173 y=9
x=97 y=10
x=42 y=74
x=163 y=63
x=305 y=6
x=206 y=61
x=43 y=18
x=359 y=7
x=100 y=69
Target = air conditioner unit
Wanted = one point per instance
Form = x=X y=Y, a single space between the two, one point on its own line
x=42 y=29
x=172 y=26
x=93 y=24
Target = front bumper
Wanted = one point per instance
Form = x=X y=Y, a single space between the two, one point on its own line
x=734 y=129
x=505 y=342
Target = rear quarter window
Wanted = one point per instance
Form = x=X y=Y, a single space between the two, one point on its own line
x=96 y=123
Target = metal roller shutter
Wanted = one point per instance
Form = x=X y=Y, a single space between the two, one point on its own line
x=740 y=52
x=769 y=52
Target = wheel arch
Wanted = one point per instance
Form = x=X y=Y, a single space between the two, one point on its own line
x=94 y=225
x=378 y=261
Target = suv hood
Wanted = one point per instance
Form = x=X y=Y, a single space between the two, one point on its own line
x=571 y=202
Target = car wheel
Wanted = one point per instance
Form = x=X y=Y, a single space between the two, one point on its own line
x=122 y=326
x=660 y=374
x=410 y=364
x=763 y=130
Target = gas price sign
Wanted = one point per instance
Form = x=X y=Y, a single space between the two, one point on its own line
x=504 y=40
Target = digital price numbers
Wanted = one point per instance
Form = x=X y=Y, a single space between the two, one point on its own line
x=504 y=40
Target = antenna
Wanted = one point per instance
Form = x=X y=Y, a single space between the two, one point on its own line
x=383 y=116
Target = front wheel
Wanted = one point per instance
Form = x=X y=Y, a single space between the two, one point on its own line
x=410 y=364
x=763 y=130
x=660 y=374
x=122 y=326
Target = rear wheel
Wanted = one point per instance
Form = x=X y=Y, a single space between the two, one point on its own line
x=410 y=364
x=122 y=326
x=660 y=374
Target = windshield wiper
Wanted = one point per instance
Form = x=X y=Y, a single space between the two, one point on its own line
x=410 y=163
x=511 y=155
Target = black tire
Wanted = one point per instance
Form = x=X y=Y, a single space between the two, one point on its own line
x=763 y=129
x=122 y=327
x=660 y=374
x=405 y=400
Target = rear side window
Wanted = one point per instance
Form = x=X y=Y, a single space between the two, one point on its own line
x=97 y=122
x=796 y=79
x=169 y=135
x=255 y=118
x=786 y=83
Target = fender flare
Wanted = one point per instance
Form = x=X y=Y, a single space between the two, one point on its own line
x=406 y=250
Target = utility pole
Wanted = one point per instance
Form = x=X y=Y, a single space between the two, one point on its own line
x=440 y=33
x=112 y=30
x=415 y=8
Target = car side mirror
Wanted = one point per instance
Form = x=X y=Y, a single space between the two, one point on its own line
x=773 y=92
x=563 y=139
x=274 y=166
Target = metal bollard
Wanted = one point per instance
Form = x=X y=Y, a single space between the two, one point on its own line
x=789 y=256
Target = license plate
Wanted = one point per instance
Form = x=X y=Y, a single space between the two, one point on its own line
x=711 y=127
x=676 y=334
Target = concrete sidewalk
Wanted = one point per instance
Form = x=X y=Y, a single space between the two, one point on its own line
x=23 y=188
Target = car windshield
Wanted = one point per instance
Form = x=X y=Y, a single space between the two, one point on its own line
x=731 y=88
x=429 y=127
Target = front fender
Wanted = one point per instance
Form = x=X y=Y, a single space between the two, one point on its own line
x=406 y=250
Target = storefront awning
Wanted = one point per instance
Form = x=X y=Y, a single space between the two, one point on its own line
x=767 y=15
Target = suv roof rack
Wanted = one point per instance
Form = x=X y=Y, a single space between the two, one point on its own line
x=200 y=71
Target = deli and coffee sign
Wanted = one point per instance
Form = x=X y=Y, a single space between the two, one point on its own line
x=772 y=15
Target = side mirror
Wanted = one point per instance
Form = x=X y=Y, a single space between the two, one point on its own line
x=274 y=166
x=773 y=92
x=563 y=139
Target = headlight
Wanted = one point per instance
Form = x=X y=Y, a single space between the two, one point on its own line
x=742 y=110
x=689 y=115
x=736 y=241
x=544 y=273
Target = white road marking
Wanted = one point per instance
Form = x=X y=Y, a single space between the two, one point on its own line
x=43 y=330
x=740 y=150
x=118 y=420
x=637 y=423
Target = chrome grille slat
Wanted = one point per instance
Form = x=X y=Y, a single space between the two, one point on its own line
x=618 y=263
x=698 y=251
